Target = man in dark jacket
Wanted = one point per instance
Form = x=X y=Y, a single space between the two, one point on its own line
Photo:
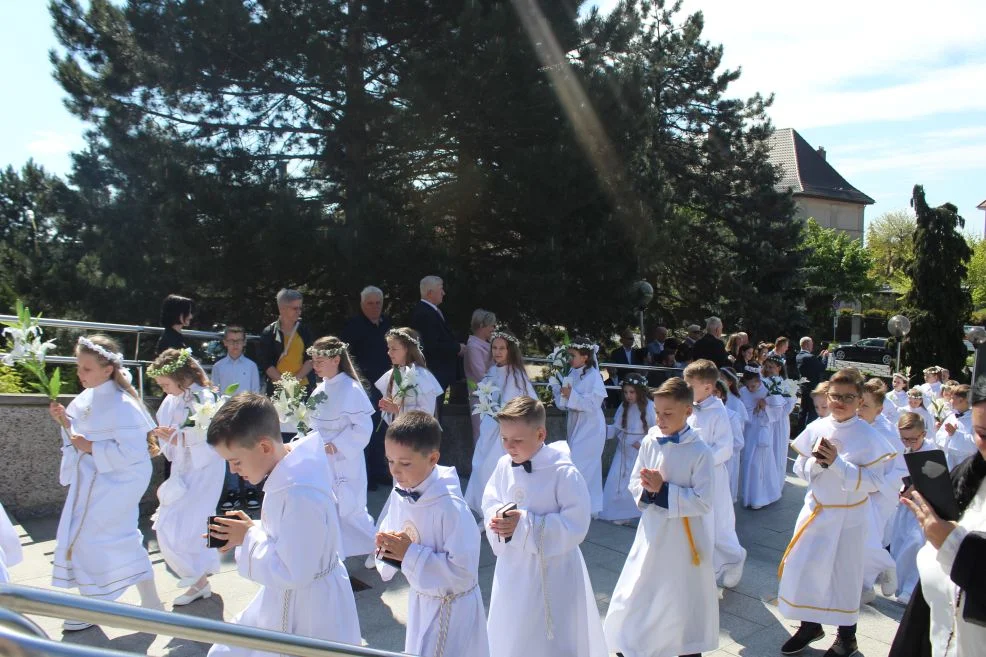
x=284 y=342
x=812 y=368
x=710 y=346
x=442 y=350
x=366 y=336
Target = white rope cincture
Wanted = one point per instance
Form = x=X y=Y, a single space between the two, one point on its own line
x=445 y=615
x=539 y=534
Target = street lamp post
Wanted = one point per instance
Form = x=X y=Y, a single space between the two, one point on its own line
x=899 y=326
x=642 y=293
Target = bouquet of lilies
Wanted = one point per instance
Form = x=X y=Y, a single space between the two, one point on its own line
x=203 y=410
x=488 y=399
x=289 y=400
x=559 y=365
x=28 y=350
x=404 y=384
x=783 y=387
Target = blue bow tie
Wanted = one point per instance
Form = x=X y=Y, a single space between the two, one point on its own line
x=673 y=438
x=414 y=496
x=524 y=464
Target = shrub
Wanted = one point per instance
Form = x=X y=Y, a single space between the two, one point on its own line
x=11 y=381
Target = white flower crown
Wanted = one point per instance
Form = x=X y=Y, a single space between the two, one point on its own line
x=635 y=379
x=505 y=336
x=170 y=368
x=584 y=346
x=327 y=353
x=112 y=356
x=406 y=336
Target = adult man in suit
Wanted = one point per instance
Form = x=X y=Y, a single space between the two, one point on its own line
x=441 y=349
x=624 y=355
x=710 y=345
x=811 y=368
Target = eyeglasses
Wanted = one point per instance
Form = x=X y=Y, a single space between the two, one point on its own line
x=842 y=399
x=228 y=341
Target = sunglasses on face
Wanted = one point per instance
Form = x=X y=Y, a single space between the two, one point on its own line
x=848 y=398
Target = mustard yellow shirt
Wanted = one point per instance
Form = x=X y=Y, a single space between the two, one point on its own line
x=293 y=355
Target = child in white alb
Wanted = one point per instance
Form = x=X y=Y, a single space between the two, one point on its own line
x=956 y=436
x=632 y=421
x=758 y=466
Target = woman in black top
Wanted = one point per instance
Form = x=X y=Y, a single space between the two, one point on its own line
x=176 y=314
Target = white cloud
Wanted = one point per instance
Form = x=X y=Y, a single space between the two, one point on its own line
x=45 y=143
x=848 y=61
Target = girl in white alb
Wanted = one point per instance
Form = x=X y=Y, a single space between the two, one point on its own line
x=510 y=378
x=409 y=386
x=343 y=417
x=582 y=394
x=915 y=404
x=738 y=418
x=190 y=494
x=107 y=467
x=10 y=546
x=632 y=421
x=779 y=407
x=759 y=466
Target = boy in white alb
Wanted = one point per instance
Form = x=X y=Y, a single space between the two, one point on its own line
x=665 y=602
x=821 y=572
x=429 y=534
x=542 y=602
x=956 y=437
x=712 y=422
x=294 y=552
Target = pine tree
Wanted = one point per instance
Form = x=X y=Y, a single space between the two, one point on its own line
x=937 y=304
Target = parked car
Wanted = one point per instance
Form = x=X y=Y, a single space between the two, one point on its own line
x=868 y=350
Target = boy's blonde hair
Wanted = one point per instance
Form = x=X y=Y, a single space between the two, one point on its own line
x=848 y=376
x=962 y=390
x=880 y=383
x=675 y=389
x=821 y=389
x=909 y=420
x=703 y=370
x=875 y=388
x=524 y=409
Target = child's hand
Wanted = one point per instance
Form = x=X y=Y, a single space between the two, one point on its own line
x=167 y=434
x=82 y=444
x=651 y=480
x=826 y=453
x=506 y=526
x=330 y=448
x=761 y=404
x=57 y=412
x=393 y=545
x=566 y=392
x=950 y=428
x=233 y=528
x=388 y=405
x=636 y=445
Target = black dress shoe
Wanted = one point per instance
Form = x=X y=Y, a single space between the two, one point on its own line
x=808 y=633
x=843 y=647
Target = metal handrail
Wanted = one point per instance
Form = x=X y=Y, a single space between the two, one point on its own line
x=13 y=642
x=53 y=604
x=118 y=328
x=12 y=620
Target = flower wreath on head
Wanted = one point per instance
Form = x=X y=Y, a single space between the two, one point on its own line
x=752 y=369
x=635 y=379
x=500 y=333
x=584 y=346
x=327 y=353
x=405 y=336
x=170 y=368
x=112 y=356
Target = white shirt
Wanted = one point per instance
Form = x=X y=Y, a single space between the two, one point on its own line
x=242 y=371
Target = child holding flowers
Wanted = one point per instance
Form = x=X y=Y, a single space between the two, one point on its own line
x=190 y=494
x=409 y=386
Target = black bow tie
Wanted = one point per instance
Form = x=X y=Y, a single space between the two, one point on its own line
x=526 y=465
x=414 y=496
x=960 y=414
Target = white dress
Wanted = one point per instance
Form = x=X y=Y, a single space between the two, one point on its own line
x=931 y=390
x=542 y=601
x=883 y=503
x=618 y=502
x=940 y=591
x=295 y=554
x=960 y=445
x=890 y=410
x=929 y=419
x=10 y=546
x=442 y=569
x=906 y=538
x=665 y=603
x=98 y=546
x=423 y=398
x=899 y=400
x=779 y=412
x=586 y=427
x=737 y=419
x=759 y=465
x=821 y=572
x=711 y=420
x=489 y=447
x=345 y=419
x=190 y=494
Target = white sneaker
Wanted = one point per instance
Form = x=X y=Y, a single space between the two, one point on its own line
x=732 y=575
x=192 y=595
x=868 y=596
x=75 y=626
x=371 y=562
x=888 y=582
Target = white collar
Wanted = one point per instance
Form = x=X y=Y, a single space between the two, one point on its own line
x=432 y=305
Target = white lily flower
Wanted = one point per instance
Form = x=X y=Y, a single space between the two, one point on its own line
x=486 y=388
x=203 y=412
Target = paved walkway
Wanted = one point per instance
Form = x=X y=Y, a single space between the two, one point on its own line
x=749 y=623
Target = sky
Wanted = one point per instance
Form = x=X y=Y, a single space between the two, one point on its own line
x=894 y=90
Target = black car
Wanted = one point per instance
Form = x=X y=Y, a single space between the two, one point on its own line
x=868 y=350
